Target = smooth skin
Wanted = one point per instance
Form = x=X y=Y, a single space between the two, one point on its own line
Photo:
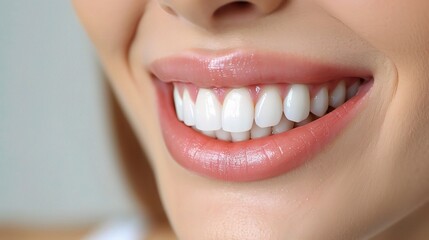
x=371 y=182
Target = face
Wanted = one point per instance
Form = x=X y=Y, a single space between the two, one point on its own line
x=272 y=119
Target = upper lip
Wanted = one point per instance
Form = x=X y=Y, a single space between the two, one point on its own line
x=236 y=68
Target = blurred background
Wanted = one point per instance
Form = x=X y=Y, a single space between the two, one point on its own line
x=58 y=159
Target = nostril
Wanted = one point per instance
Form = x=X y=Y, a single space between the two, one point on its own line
x=233 y=9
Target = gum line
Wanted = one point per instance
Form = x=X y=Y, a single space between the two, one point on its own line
x=255 y=90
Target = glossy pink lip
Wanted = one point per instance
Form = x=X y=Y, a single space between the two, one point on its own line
x=255 y=159
x=243 y=68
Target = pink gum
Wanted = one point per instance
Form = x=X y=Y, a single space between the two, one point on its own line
x=255 y=90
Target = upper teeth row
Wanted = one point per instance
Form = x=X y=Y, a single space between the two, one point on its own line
x=238 y=113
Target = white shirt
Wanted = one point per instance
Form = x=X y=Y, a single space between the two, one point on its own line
x=120 y=229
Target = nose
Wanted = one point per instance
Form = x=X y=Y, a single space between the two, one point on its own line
x=209 y=13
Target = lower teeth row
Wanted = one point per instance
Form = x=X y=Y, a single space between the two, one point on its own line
x=239 y=119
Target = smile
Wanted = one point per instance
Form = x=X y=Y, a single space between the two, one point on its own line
x=246 y=116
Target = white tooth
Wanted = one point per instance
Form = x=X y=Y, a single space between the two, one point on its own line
x=283 y=126
x=353 y=89
x=178 y=103
x=207 y=111
x=338 y=96
x=258 y=132
x=188 y=109
x=297 y=103
x=240 y=136
x=222 y=135
x=211 y=134
x=320 y=102
x=268 y=110
x=237 y=111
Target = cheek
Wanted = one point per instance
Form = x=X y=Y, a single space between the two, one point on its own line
x=396 y=27
x=110 y=23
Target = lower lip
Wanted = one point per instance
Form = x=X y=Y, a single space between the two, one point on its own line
x=255 y=159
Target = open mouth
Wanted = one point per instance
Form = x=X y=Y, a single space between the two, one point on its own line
x=244 y=116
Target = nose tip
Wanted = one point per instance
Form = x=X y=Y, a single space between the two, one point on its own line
x=209 y=13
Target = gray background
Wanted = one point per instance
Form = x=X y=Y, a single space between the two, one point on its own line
x=57 y=159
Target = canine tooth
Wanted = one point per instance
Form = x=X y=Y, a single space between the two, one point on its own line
x=237 y=111
x=188 y=109
x=320 y=102
x=207 y=111
x=178 y=104
x=240 y=136
x=297 y=103
x=353 y=89
x=338 y=96
x=283 y=126
x=258 y=132
x=268 y=110
x=222 y=135
x=211 y=134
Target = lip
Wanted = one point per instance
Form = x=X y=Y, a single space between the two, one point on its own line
x=256 y=159
x=236 y=68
